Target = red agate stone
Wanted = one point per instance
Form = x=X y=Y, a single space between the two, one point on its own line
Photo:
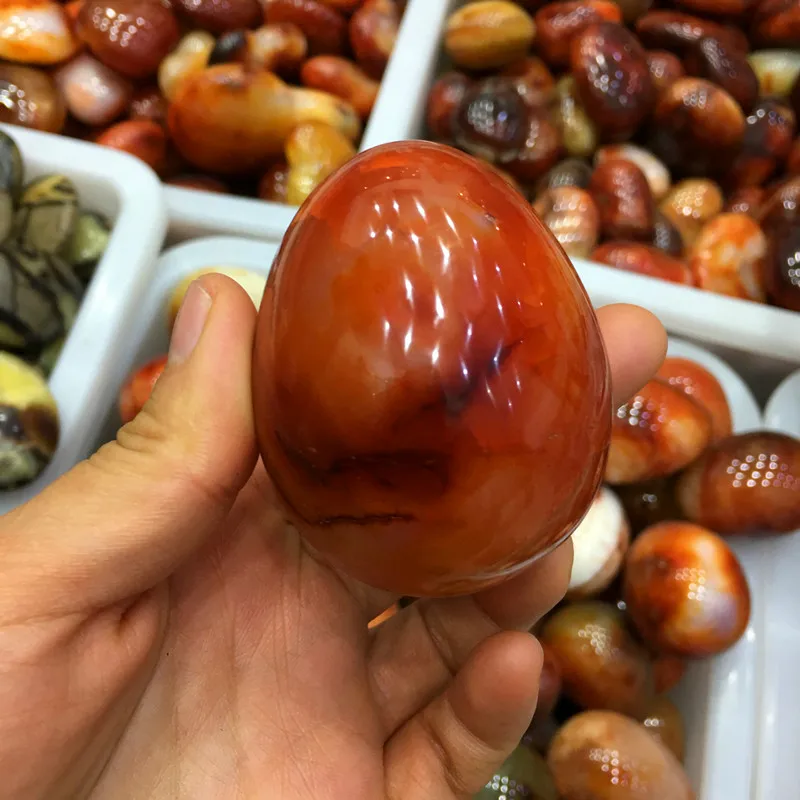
x=431 y=389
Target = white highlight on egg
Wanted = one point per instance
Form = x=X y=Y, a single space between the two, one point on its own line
x=599 y=544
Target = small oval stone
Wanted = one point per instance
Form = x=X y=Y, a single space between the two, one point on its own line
x=715 y=494
x=87 y=244
x=29 y=424
x=658 y=177
x=602 y=665
x=666 y=237
x=130 y=36
x=540 y=151
x=35 y=32
x=782 y=267
x=572 y=217
x=578 y=131
x=47 y=214
x=30 y=99
x=643 y=259
x=690 y=204
x=579 y=754
x=93 y=92
x=445 y=97
x=667 y=611
x=488 y=34
x=679 y=32
x=697 y=127
x=39 y=299
x=534 y=80
x=492 y=121
x=220 y=16
x=776 y=23
x=776 y=70
x=729 y=69
x=558 y=23
x=612 y=77
x=624 y=200
x=728 y=257
x=769 y=130
x=665 y=69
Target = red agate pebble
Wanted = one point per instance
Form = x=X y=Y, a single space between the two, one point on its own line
x=431 y=390
x=748 y=483
x=703 y=387
x=685 y=590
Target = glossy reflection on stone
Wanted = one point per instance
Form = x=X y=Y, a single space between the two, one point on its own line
x=431 y=390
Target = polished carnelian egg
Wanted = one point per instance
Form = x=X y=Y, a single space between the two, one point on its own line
x=431 y=389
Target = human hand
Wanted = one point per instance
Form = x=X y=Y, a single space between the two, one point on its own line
x=164 y=634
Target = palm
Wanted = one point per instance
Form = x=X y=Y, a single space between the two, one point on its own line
x=262 y=680
x=269 y=683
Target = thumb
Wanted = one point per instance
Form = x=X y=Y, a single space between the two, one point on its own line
x=122 y=521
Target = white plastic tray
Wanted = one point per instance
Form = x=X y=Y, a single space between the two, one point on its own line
x=779 y=729
x=129 y=193
x=395 y=115
x=718 y=698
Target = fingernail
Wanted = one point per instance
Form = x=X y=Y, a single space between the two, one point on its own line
x=189 y=323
